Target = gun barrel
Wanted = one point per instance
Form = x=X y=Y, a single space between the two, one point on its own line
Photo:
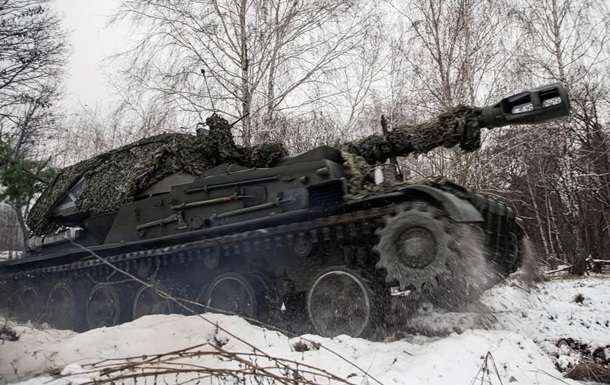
x=533 y=106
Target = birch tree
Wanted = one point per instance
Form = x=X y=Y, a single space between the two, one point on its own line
x=247 y=59
x=453 y=52
x=567 y=40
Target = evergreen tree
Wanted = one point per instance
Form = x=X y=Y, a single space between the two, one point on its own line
x=32 y=60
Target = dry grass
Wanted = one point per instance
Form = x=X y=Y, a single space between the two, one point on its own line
x=587 y=370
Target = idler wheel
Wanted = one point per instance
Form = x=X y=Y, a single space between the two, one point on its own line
x=26 y=304
x=340 y=301
x=147 y=301
x=103 y=306
x=61 y=307
x=232 y=293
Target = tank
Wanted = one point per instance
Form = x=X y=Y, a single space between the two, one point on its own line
x=327 y=241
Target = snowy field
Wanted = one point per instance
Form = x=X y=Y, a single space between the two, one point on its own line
x=5 y=255
x=526 y=336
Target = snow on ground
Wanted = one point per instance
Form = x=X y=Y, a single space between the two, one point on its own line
x=520 y=329
x=5 y=255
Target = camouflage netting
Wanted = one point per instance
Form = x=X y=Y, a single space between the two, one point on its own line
x=115 y=177
x=459 y=126
x=359 y=186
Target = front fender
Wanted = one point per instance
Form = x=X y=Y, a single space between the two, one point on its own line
x=458 y=209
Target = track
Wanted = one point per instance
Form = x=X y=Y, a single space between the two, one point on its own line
x=208 y=254
x=339 y=227
x=252 y=289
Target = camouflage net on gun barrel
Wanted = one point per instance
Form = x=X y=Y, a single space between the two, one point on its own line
x=458 y=126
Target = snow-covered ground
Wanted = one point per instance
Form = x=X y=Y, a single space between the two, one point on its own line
x=521 y=335
x=5 y=255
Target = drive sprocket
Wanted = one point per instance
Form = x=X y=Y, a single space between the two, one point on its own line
x=437 y=260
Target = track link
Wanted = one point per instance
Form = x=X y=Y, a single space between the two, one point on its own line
x=339 y=227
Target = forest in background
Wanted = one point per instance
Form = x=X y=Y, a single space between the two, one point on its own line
x=316 y=72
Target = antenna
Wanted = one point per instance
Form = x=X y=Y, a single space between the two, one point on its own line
x=238 y=120
x=205 y=78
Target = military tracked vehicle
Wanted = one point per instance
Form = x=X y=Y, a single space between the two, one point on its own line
x=195 y=222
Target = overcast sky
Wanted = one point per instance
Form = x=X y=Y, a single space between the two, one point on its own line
x=91 y=41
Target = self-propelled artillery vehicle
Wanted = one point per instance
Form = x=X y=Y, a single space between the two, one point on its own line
x=180 y=221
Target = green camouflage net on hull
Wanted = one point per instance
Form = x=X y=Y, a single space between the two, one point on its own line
x=116 y=177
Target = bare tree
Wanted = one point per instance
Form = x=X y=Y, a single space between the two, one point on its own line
x=456 y=50
x=450 y=52
x=567 y=40
x=32 y=57
x=259 y=57
x=32 y=54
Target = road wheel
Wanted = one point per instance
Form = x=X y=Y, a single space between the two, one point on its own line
x=26 y=304
x=340 y=301
x=232 y=293
x=148 y=301
x=61 y=310
x=103 y=306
